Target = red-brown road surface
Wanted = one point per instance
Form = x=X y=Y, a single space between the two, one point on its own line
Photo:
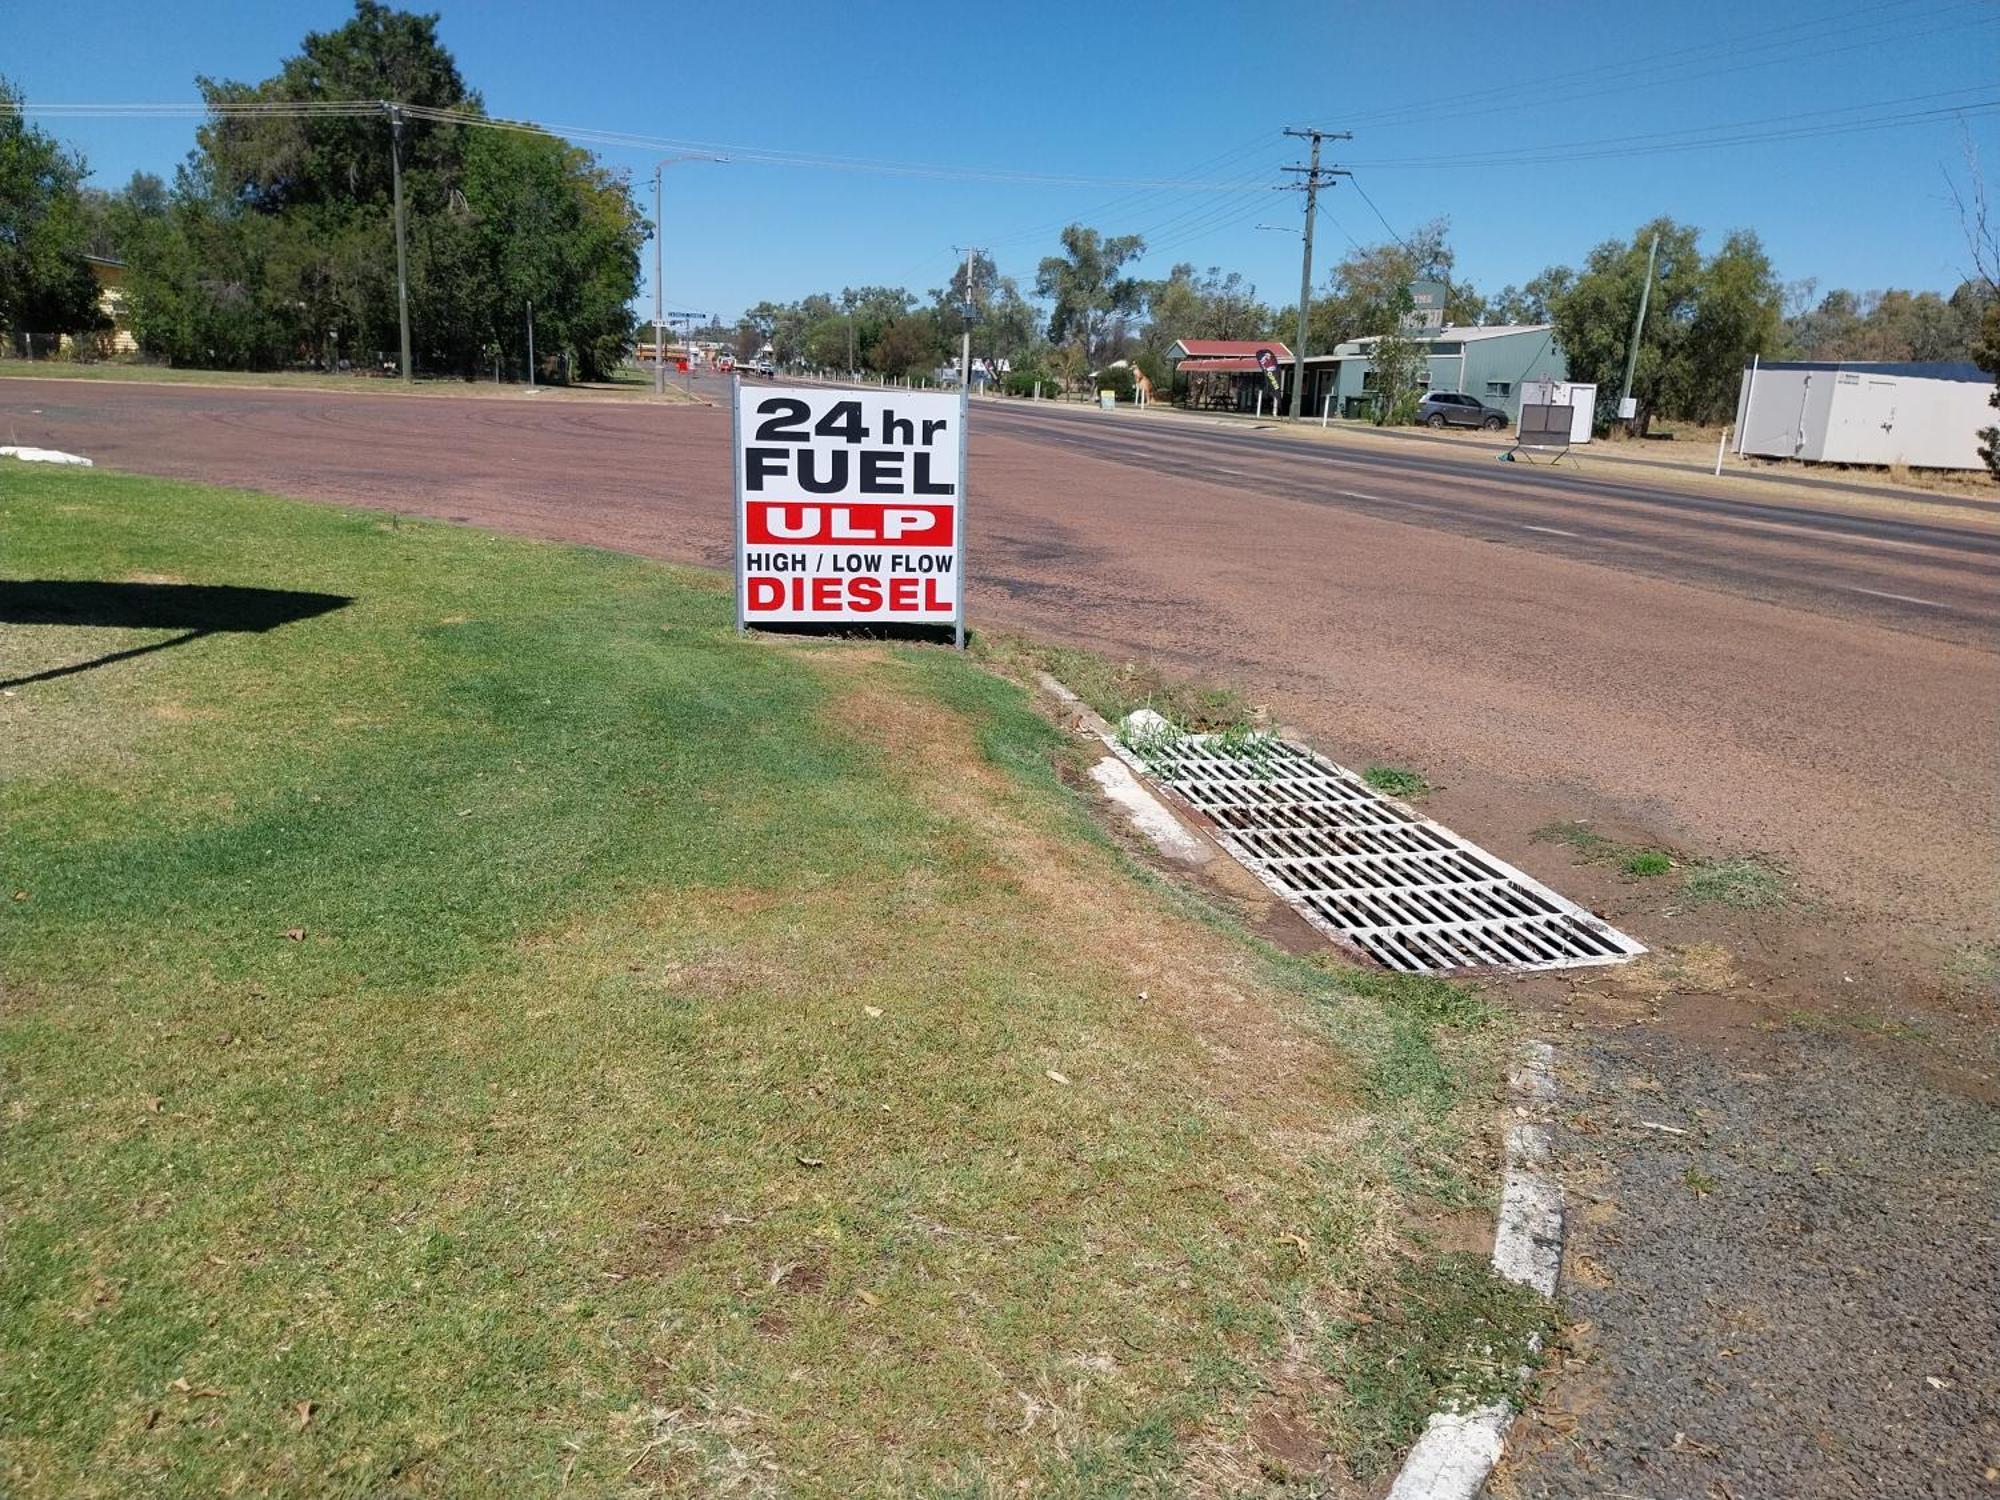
x=1813 y=680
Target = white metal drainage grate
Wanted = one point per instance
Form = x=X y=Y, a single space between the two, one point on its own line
x=1410 y=893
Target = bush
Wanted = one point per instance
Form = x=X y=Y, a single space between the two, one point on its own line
x=1117 y=379
x=1404 y=412
x=1022 y=382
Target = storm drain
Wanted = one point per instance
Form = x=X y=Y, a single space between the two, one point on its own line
x=1408 y=892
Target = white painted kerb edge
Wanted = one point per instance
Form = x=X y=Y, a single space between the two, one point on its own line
x=1146 y=813
x=1458 y=1450
x=44 y=456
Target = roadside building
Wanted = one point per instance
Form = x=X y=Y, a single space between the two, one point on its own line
x=1225 y=374
x=110 y=276
x=1926 y=416
x=1492 y=363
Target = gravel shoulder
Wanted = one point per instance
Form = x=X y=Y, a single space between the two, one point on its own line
x=1797 y=1296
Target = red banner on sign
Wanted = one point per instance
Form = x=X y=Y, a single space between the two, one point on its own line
x=769 y=522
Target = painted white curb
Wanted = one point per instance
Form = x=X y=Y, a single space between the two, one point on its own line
x=1146 y=813
x=43 y=456
x=1458 y=1450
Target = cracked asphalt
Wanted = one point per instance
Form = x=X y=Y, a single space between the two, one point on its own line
x=1798 y=1297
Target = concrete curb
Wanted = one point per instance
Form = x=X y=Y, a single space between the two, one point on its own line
x=1147 y=814
x=1457 y=1452
x=1458 y=1449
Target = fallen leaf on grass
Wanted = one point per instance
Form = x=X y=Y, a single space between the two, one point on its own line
x=153 y=1105
x=870 y=1298
x=1055 y=1077
x=295 y=934
x=873 y=1012
x=810 y=1161
x=305 y=1410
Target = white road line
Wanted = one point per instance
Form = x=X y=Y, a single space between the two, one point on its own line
x=1854 y=588
x=1551 y=530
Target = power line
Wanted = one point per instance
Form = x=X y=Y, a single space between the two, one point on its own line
x=1649 y=72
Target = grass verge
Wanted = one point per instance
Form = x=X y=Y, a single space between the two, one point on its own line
x=620 y=385
x=503 y=1033
x=1396 y=781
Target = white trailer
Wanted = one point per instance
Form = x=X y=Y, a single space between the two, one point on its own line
x=1925 y=416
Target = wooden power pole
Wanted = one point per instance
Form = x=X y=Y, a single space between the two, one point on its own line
x=1314 y=177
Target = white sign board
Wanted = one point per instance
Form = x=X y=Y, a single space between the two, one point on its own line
x=1579 y=396
x=849 y=507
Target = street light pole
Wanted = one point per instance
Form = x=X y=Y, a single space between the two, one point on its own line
x=659 y=286
x=402 y=255
x=659 y=266
x=1638 y=329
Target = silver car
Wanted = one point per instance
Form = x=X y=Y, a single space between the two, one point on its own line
x=1455 y=409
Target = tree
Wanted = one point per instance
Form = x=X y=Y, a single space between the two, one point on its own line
x=1704 y=319
x=1208 y=305
x=278 y=242
x=1087 y=291
x=46 y=285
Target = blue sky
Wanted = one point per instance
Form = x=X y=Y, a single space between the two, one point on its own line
x=1194 y=93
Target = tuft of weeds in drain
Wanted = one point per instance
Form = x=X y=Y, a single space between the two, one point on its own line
x=1395 y=781
x=1447 y=1334
x=1645 y=863
x=1114 y=688
x=1744 y=882
x=1152 y=743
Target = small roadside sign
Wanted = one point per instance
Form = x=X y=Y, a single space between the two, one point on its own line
x=849 y=507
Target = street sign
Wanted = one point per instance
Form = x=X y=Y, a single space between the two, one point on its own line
x=849 y=507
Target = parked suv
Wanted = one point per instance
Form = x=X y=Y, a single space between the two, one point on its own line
x=1452 y=409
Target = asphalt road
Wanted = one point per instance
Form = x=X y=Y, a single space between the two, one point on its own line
x=1927 y=575
x=1713 y=672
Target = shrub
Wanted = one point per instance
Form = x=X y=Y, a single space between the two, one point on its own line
x=1117 y=379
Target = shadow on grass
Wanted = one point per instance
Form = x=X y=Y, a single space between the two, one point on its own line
x=198 y=609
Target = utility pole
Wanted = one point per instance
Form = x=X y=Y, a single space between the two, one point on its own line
x=1315 y=178
x=402 y=254
x=1638 y=327
x=531 y=344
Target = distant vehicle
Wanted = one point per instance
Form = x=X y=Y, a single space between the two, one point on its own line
x=764 y=367
x=1454 y=409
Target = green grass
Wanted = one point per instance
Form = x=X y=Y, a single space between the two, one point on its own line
x=1580 y=839
x=510 y=1035
x=1744 y=883
x=1115 y=688
x=1395 y=781
x=1639 y=861
x=620 y=384
x=1646 y=863
x=1455 y=1338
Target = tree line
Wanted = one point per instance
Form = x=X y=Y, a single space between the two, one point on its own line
x=274 y=246
x=1708 y=315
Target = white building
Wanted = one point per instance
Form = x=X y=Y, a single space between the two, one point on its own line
x=1925 y=416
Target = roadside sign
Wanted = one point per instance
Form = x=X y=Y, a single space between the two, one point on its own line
x=849 y=507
